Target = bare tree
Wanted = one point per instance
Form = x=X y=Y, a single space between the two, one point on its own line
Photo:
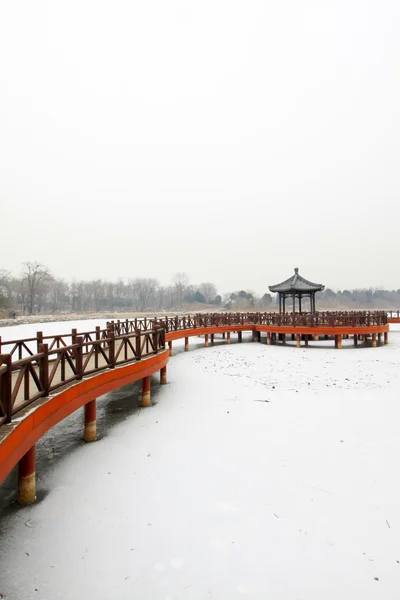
x=34 y=276
x=5 y=283
x=180 y=282
x=142 y=292
x=58 y=294
x=209 y=291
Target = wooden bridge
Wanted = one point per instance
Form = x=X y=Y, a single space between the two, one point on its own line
x=46 y=378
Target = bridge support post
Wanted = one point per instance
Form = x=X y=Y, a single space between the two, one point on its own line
x=268 y=338
x=212 y=338
x=206 y=340
x=223 y=335
x=316 y=338
x=355 y=339
x=338 y=341
x=306 y=340
x=379 y=339
x=283 y=338
x=90 y=422
x=374 y=340
x=27 y=478
x=146 y=391
x=163 y=375
x=228 y=337
x=273 y=338
x=298 y=339
x=386 y=337
x=239 y=337
x=170 y=348
x=186 y=344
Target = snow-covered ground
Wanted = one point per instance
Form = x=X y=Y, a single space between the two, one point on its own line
x=261 y=471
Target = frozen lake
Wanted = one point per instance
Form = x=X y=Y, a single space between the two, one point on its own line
x=261 y=471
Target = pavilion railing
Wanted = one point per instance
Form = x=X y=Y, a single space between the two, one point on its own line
x=319 y=319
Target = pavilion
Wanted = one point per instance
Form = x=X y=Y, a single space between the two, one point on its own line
x=296 y=287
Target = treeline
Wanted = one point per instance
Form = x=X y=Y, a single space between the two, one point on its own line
x=366 y=297
x=37 y=290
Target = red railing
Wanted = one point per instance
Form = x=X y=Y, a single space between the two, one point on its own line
x=57 y=364
x=393 y=314
x=320 y=319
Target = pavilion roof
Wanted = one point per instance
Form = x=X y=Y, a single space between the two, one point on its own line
x=298 y=284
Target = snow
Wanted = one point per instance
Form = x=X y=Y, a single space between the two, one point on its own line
x=29 y=330
x=261 y=471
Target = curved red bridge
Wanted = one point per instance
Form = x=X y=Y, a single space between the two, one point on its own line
x=45 y=379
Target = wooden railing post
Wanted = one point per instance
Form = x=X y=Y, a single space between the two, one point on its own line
x=161 y=343
x=39 y=340
x=96 y=349
x=6 y=386
x=79 y=358
x=138 y=344
x=44 y=368
x=74 y=336
x=155 y=338
x=111 y=348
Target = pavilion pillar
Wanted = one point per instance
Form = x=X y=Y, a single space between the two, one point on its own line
x=163 y=375
x=268 y=338
x=27 y=478
x=294 y=302
x=374 y=340
x=146 y=391
x=228 y=337
x=298 y=339
x=386 y=337
x=206 y=340
x=186 y=344
x=90 y=422
x=283 y=304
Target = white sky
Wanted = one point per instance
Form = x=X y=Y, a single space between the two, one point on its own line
x=231 y=140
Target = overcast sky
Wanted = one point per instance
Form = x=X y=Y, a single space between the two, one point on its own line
x=230 y=140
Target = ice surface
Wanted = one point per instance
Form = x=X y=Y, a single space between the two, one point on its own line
x=262 y=471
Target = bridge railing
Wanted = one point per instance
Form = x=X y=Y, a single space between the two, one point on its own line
x=35 y=367
x=320 y=319
x=22 y=381
x=393 y=314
